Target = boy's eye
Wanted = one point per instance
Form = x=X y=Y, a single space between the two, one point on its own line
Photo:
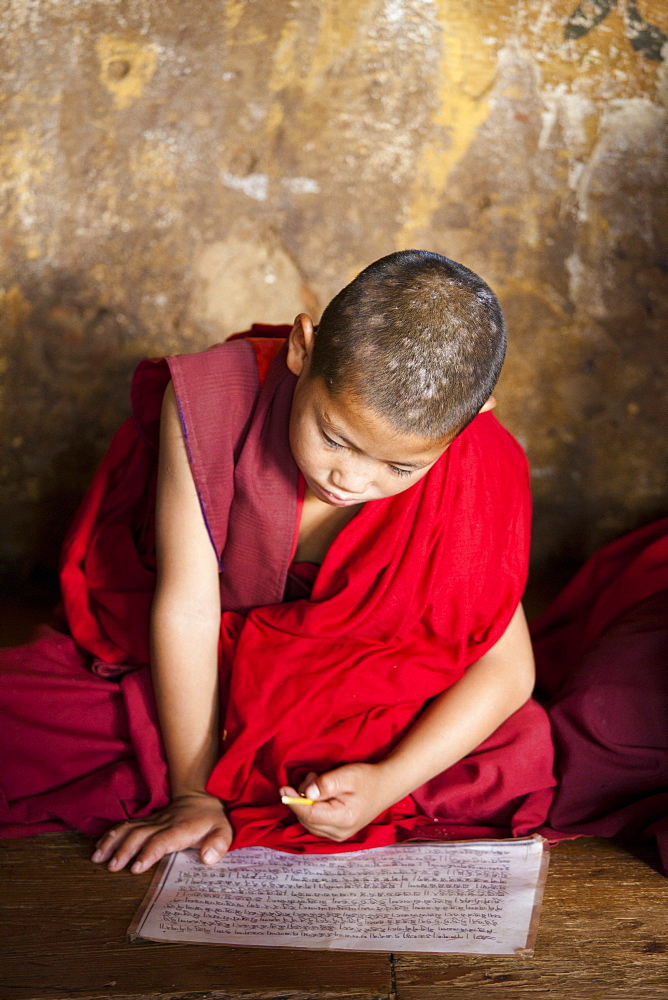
x=331 y=442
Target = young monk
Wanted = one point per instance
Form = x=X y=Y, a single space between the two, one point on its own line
x=364 y=645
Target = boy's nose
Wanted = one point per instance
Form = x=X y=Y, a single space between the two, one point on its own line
x=351 y=481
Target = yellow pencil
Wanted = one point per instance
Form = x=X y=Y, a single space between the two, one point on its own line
x=296 y=800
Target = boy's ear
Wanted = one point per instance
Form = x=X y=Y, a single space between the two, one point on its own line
x=489 y=405
x=300 y=343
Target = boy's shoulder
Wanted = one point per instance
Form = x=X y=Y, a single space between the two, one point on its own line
x=250 y=352
x=491 y=463
x=485 y=437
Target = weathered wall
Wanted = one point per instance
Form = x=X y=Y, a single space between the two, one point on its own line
x=172 y=171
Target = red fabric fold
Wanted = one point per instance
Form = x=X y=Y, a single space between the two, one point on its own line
x=79 y=751
x=601 y=656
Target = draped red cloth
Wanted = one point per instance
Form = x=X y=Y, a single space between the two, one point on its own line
x=413 y=590
x=602 y=661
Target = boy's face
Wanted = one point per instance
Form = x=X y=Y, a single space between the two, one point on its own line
x=348 y=453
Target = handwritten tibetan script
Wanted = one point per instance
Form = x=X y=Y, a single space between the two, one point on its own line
x=477 y=897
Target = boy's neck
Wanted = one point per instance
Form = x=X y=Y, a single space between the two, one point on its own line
x=319 y=525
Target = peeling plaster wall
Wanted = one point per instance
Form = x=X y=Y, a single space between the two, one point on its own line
x=171 y=172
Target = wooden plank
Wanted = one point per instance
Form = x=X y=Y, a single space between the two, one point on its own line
x=63 y=922
x=603 y=935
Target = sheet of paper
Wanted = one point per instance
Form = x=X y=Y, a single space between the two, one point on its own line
x=475 y=897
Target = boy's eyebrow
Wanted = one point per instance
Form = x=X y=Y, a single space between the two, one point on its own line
x=334 y=430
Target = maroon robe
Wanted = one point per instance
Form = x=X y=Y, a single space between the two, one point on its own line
x=602 y=660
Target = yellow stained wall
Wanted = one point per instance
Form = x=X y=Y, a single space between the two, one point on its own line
x=171 y=172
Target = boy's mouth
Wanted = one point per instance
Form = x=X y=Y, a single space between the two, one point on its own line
x=336 y=500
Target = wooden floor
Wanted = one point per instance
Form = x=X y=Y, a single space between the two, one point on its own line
x=603 y=936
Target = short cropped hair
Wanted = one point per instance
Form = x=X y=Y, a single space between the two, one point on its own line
x=416 y=337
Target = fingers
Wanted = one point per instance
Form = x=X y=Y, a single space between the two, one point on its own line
x=321 y=788
x=325 y=800
x=108 y=843
x=314 y=816
x=120 y=844
x=330 y=785
x=147 y=842
x=149 y=849
x=343 y=801
x=294 y=800
x=328 y=818
x=331 y=820
x=174 y=829
x=212 y=846
x=216 y=844
x=310 y=787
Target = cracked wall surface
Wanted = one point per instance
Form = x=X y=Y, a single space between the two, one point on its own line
x=172 y=172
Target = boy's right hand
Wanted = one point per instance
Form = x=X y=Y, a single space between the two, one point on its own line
x=193 y=820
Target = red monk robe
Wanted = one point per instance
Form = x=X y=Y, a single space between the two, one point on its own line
x=413 y=590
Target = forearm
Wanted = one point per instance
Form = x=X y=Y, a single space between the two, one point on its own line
x=460 y=719
x=185 y=679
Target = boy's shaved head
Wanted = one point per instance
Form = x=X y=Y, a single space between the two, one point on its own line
x=416 y=337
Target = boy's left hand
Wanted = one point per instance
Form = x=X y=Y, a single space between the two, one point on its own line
x=346 y=800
